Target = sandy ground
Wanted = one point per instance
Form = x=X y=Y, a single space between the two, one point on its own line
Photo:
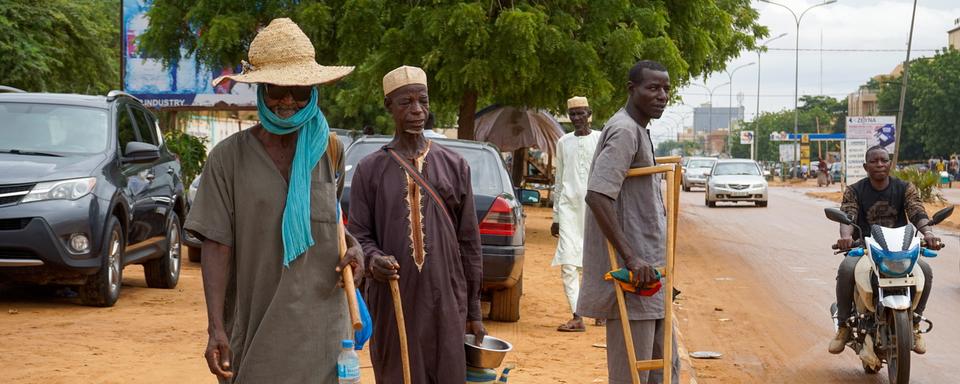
x=158 y=336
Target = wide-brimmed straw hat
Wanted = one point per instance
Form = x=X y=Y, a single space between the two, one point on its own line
x=282 y=54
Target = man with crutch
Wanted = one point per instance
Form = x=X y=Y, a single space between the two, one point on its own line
x=412 y=210
x=630 y=213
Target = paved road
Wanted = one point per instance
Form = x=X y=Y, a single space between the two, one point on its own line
x=757 y=283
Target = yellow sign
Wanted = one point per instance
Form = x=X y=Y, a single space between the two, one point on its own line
x=805 y=139
x=805 y=153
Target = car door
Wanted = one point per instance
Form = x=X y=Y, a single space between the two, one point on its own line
x=138 y=179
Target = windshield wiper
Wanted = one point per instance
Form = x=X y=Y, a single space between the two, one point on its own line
x=30 y=153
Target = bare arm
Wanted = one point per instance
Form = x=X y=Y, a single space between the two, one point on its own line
x=603 y=210
x=216 y=262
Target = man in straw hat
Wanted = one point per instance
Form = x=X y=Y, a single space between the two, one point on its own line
x=630 y=213
x=267 y=213
x=574 y=154
x=412 y=210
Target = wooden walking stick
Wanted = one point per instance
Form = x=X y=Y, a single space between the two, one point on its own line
x=401 y=326
x=349 y=287
x=669 y=166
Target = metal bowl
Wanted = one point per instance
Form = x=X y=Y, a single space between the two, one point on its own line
x=487 y=355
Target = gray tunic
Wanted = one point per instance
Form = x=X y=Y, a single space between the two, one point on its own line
x=624 y=144
x=285 y=324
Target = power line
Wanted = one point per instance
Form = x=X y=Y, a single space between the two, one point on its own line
x=769 y=95
x=881 y=50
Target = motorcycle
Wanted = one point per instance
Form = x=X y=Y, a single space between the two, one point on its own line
x=887 y=292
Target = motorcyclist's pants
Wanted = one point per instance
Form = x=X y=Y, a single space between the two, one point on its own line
x=846 y=281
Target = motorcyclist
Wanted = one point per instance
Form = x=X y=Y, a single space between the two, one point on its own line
x=887 y=201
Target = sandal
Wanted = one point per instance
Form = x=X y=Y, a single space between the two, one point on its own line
x=600 y=322
x=574 y=325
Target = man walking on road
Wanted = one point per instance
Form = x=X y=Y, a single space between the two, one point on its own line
x=574 y=154
x=412 y=210
x=630 y=213
x=266 y=211
x=890 y=202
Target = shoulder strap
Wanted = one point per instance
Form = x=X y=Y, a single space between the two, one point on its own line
x=418 y=178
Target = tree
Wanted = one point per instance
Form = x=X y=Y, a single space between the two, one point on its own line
x=60 y=45
x=830 y=112
x=934 y=91
x=522 y=53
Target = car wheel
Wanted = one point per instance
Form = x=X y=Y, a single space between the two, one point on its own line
x=505 y=303
x=761 y=203
x=685 y=188
x=711 y=204
x=103 y=288
x=164 y=272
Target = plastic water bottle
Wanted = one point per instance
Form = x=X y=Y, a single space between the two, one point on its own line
x=348 y=364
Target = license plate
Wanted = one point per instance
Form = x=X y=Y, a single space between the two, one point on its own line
x=739 y=194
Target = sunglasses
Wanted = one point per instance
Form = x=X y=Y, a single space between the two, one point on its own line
x=280 y=92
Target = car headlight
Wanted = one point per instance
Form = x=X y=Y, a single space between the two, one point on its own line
x=718 y=185
x=758 y=186
x=61 y=190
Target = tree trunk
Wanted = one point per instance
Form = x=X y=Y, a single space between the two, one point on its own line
x=468 y=112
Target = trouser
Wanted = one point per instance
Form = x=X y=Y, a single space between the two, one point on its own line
x=648 y=344
x=846 y=282
x=571 y=284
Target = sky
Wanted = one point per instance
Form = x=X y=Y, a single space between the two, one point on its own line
x=846 y=24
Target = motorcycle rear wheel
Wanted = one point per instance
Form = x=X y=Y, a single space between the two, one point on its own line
x=900 y=336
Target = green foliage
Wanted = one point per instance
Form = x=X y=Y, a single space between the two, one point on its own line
x=190 y=150
x=926 y=183
x=60 y=45
x=524 y=53
x=687 y=148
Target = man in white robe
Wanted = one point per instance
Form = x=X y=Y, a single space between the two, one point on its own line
x=574 y=156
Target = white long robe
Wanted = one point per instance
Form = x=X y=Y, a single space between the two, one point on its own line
x=574 y=155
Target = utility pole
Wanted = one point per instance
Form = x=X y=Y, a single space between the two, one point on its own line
x=903 y=89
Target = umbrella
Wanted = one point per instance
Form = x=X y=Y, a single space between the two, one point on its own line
x=512 y=128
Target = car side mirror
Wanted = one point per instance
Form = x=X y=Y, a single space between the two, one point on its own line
x=529 y=196
x=140 y=152
x=838 y=216
x=941 y=215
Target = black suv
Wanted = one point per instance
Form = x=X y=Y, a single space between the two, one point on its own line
x=499 y=214
x=87 y=186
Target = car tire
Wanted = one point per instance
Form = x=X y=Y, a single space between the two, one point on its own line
x=685 y=188
x=505 y=303
x=164 y=272
x=193 y=253
x=711 y=204
x=103 y=288
x=761 y=203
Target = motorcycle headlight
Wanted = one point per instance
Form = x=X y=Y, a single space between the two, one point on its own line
x=61 y=190
x=895 y=263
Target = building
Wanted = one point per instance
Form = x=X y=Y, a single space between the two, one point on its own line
x=953 y=35
x=707 y=119
x=863 y=102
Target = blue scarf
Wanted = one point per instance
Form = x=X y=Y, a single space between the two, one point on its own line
x=311 y=144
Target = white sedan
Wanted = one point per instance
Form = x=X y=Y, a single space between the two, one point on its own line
x=736 y=180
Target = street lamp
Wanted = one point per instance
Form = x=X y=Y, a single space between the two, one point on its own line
x=710 y=119
x=730 y=107
x=796 y=75
x=753 y=154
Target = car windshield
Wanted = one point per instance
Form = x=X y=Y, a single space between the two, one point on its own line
x=485 y=166
x=700 y=163
x=51 y=128
x=736 y=169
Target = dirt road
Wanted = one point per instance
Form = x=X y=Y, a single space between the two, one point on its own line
x=757 y=283
x=158 y=336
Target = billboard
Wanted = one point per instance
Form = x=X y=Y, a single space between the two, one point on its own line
x=864 y=132
x=184 y=84
x=746 y=137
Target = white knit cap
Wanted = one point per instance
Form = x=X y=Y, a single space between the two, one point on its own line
x=404 y=75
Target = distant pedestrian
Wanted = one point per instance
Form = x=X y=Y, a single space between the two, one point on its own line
x=574 y=154
x=954 y=167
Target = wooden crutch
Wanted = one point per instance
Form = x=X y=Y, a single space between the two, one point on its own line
x=670 y=166
x=348 y=285
x=398 y=309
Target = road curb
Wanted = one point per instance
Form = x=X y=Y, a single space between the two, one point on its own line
x=684 y=353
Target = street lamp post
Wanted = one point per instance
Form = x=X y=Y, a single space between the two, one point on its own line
x=730 y=107
x=753 y=148
x=710 y=119
x=796 y=75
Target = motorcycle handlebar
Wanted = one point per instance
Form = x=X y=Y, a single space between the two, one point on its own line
x=856 y=244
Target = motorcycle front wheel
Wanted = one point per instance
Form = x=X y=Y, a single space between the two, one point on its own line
x=900 y=336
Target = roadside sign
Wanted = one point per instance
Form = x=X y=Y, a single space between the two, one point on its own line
x=864 y=132
x=787 y=153
x=746 y=137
